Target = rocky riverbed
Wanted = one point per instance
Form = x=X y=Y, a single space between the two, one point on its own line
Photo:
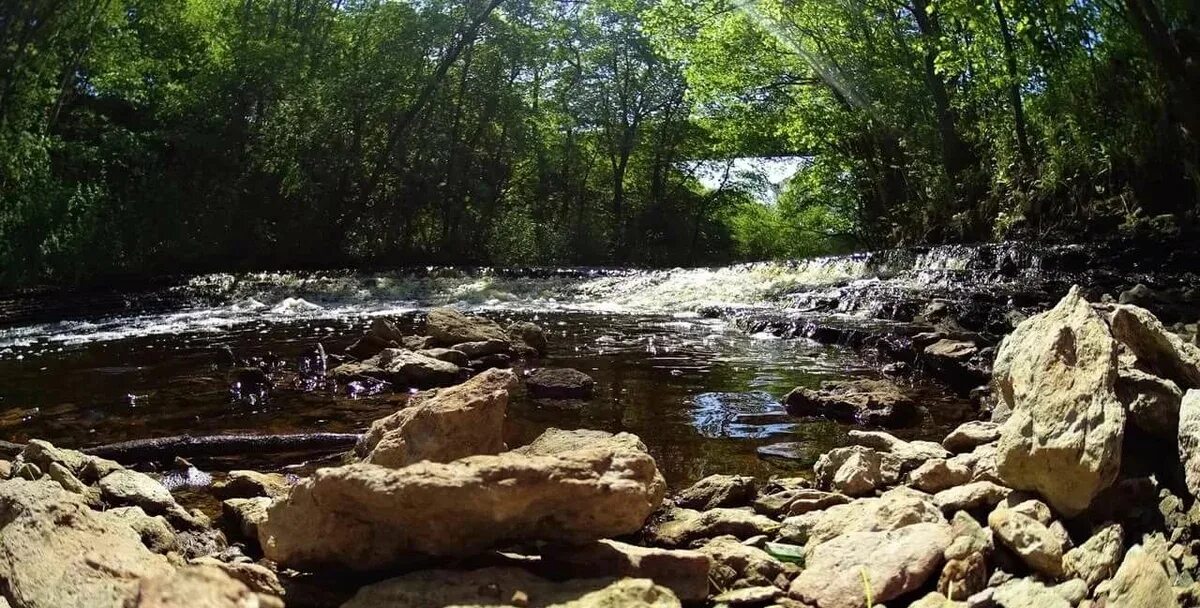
x=1075 y=487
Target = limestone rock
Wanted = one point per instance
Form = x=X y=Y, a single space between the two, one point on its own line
x=684 y=572
x=449 y=355
x=246 y=514
x=449 y=327
x=939 y=474
x=971 y=435
x=1057 y=373
x=560 y=383
x=718 y=491
x=737 y=565
x=1153 y=403
x=131 y=488
x=502 y=587
x=249 y=484
x=1189 y=440
x=747 y=596
x=476 y=350
x=1027 y=593
x=893 y=510
x=402 y=367
x=797 y=501
x=856 y=470
x=259 y=579
x=893 y=563
x=683 y=526
x=975 y=495
x=155 y=532
x=365 y=517
x=443 y=425
x=1155 y=349
x=198 y=587
x=911 y=454
x=1034 y=543
x=556 y=441
x=531 y=334
x=1139 y=582
x=966 y=569
x=55 y=552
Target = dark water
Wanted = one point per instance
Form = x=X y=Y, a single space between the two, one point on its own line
x=702 y=394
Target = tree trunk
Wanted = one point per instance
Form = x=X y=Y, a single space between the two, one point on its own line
x=1014 y=88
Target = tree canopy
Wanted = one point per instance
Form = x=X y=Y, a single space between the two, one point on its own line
x=160 y=136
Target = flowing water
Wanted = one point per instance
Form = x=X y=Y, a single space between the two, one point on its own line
x=672 y=361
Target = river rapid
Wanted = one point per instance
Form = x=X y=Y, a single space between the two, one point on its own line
x=694 y=361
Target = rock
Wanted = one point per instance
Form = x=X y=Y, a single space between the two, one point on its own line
x=856 y=470
x=797 y=502
x=1155 y=349
x=911 y=454
x=68 y=480
x=55 y=552
x=249 y=484
x=443 y=425
x=952 y=361
x=401 y=367
x=1189 y=440
x=198 y=587
x=5 y=469
x=737 y=565
x=1152 y=402
x=870 y=402
x=683 y=526
x=556 y=441
x=1074 y=591
x=561 y=383
x=935 y=600
x=1031 y=541
x=155 y=532
x=892 y=563
x=1038 y=510
x=449 y=355
x=125 y=487
x=939 y=474
x=893 y=510
x=448 y=327
x=718 y=491
x=531 y=334
x=43 y=454
x=951 y=351
x=1026 y=593
x=460 y=508
x=1057 y=373
x=418 y=343
x=971 y=435
x=963 y=577
x=747 y=596
x=259 y=579
x=1139 y=582
x=486 y=362
x=477 y=350
x=685 y=573
x=975 y=495
x=245 y=515
x=495 y=587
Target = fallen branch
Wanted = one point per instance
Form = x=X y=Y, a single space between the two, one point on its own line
x=164 y=448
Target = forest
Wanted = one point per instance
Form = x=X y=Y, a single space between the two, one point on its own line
x=148 y=137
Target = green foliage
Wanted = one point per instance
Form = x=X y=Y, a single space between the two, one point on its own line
x=149 y=136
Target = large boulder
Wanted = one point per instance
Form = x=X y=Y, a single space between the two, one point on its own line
x=449 y=327
x=443 y=425
x=498 y=587
x=841 y=572
x=1057 y=373
x=365 y=517
x=871 y=402
x=55 y=552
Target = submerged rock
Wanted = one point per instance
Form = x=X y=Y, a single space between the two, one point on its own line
x=496 y=587
x=531 y=335
x=562 y=383
x=1057 y=373
x=871 y=402
x=366 y=517
x=443 y=425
